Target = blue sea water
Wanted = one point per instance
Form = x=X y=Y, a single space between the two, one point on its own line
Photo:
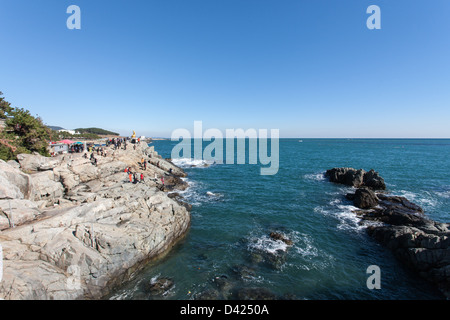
x=234 y=209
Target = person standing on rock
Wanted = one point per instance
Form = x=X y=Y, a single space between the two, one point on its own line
x=145 y=165
x=130 y=176
x=142 y=177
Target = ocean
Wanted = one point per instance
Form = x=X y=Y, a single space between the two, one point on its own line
x=228 y=251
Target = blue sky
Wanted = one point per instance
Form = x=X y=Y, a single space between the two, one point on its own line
x=308 y=68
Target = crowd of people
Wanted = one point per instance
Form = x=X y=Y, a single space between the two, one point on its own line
x=117 y=143
x=76 y=148
x=133 y=175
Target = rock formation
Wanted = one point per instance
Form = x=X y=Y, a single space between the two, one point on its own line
x=356 y=178
x=420 y=243
x=71 y=228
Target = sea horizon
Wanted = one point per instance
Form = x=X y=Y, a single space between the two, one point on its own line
x=234 y=209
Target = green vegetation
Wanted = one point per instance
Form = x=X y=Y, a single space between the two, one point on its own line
x=23 y=133
x=57 y=135
x=97 y=131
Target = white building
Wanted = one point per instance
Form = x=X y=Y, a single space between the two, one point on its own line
x=69 y=131
x=58 y=148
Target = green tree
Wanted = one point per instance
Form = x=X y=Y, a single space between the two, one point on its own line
x=5 y=107
x=23 y=133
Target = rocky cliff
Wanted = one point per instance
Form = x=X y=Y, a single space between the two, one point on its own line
x=74 y=228
x=417 y=241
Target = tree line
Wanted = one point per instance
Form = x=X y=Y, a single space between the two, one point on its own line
x=22 y=132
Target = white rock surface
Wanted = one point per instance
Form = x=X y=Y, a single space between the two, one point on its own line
x=81 y=229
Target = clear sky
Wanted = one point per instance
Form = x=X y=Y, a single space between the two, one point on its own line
x=310 y=68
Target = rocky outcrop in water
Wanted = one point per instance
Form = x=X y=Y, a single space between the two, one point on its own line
x=356 y=178
x=74 y=228
x=419 y=242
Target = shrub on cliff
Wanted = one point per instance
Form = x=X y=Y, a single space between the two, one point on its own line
x=23 y=133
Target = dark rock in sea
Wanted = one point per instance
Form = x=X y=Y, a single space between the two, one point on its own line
x=418 y=242
x=279 y=236
x=178 y=198
x=289 y=296
x=256 y=257
x=400 y=202
x=209 y=294
x=255 y=294
x=424 y=248
x=224 y=284
x=347 y=176
x=365 y=198
x=373 y=180
x=356 y=178
x=244 y=272
x=158 y=287
x=173 y=182
x=270 y=249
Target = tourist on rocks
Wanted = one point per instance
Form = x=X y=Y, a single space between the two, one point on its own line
x=142 y=177
x=145 y=165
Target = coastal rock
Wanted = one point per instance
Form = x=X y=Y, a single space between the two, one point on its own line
x=224 y=285
x=158 y=287
x=281 y=237
x=356 y=178
x=172 y=182
x=417 y=241
x=14 y=184
x=36 y=162
x=254 y=293
x=84 y=229
x=16 y=212
x=176 y=196
x=373 y=180
x=209 y=294
x=426 y=253
x=270 y=249
x=364 y=198
x=45 y=187
x=244 y=272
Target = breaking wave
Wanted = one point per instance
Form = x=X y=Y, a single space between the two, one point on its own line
x=190 y=163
